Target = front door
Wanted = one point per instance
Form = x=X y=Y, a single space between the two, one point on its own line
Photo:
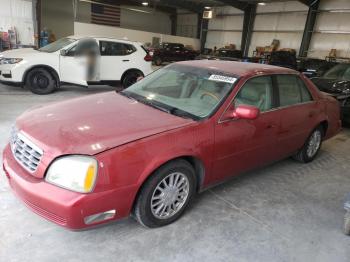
x=240 y=144
x=80 y=63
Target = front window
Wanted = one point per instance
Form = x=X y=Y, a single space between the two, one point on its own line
x=257 y=92
x=341 y=71
x=183 y=90
x=57 y=45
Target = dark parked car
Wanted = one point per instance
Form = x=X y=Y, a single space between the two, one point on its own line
x=313 y=67
x=284 y=59
x=168 y=52
x=336 y=82
x=223 y=54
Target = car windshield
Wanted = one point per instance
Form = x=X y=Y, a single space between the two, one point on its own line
x=341 y=71
x=57 y=45
x=183 y=90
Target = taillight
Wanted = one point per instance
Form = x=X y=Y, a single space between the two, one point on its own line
x=148 y=58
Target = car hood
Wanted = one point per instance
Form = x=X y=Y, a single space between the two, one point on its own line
x=332 y=86
x=19 y=53
x=93 y=124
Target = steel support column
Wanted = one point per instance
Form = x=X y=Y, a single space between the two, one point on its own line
x=248 y=26
x=309 y=28
x=173 y=19
x=203 y=25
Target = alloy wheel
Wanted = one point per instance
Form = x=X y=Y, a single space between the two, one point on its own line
x=314 y=143
x=170 y=195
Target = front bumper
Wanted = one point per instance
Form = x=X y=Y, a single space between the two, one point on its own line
x=11 y=73
x=63 y=207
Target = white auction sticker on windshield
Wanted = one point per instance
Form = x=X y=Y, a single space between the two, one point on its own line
x=226 y=79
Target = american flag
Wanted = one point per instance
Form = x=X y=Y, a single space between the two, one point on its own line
x=105 y=14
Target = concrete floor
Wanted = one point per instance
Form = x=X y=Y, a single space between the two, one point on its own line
x=284 y=212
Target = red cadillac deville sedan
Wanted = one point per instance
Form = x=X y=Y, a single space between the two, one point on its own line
x=149 y=149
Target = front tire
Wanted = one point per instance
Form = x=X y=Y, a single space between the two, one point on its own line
x=40 y=81
x=311 y=147
x=165 y=195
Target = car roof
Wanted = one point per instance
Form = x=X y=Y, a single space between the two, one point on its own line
x=239 y=68
x=78 y=37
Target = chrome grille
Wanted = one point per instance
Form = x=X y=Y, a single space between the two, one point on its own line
x=25 y=152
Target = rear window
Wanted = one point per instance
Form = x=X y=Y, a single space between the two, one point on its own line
x=292 y=90
x=108 y=48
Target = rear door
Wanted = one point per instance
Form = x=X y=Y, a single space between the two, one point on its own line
x=116 y=58
x=299 y=111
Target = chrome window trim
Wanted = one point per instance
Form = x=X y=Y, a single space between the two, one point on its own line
x=272 y=109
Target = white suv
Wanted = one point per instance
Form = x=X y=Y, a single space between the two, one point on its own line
x=75 y=60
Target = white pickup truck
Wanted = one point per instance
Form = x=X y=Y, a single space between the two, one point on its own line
x=75 y=60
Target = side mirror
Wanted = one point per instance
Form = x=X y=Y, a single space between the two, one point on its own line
x=63 y=52
x=243 y=112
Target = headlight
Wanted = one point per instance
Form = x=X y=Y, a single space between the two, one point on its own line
x=5 y=61
x=76 y=173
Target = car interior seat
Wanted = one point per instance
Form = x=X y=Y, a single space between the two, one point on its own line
x=255 y=93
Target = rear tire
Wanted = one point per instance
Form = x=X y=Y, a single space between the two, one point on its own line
x=40 y=81
x=311 y=147
x=130 y=78
x=165 y=195
x=158 y=61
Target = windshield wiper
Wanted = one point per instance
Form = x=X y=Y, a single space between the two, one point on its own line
x=145 y=101
x=181 y=113
x=160 y=106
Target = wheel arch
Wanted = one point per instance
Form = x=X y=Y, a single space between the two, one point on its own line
x=324 y=125
x=130 y=70
x=195 y=162
x=50 y=69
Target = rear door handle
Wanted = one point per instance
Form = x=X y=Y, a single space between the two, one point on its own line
x=126 y=60
x=271 y=126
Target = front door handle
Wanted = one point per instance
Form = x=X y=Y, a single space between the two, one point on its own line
x=126 y=60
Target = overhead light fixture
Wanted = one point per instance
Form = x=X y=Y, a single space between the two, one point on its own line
x=145 y=3
x=207 y=7
x=261 y=3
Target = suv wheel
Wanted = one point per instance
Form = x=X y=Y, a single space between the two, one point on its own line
x=131 y=78
x=40 y=81
x=311 y=147
x=165 y=195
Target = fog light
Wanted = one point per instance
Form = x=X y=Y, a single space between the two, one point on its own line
x=99 y=217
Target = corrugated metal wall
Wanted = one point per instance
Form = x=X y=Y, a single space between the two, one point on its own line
x=284 y=21
x=225 y=28
x=332 y=29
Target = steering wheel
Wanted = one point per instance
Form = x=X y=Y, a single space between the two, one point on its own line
x=209 y=94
